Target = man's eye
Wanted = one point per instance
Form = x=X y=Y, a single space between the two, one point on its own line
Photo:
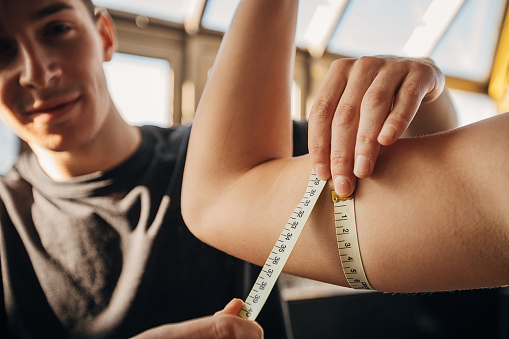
x=5 y=47
x=56 y=30
x=8 y=52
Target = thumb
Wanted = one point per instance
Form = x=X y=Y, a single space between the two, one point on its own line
x=233 y=307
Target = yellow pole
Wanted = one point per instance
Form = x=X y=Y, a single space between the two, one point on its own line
x=498 y=87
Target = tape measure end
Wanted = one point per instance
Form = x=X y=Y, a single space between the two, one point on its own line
x=337 y=198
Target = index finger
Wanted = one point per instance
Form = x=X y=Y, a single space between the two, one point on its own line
x=320 y=119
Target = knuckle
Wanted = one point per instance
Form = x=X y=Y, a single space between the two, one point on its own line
x=339 y=65
x=376 y=97
x=322 y=108
x=225 y=328
x=400 y=120
x=340 y=161
x=424 y=65
x=229 y=327
x=346 y=114
x=317 y=147
x=413 y=90
x=425 y=71
x=367 y=138
x=431 y=75
x=366 y=60
x=336 y=65
x=365 y=63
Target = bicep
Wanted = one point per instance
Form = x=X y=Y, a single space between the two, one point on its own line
x=431 y=218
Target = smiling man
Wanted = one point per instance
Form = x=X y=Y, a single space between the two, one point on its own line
x=54 y=88
x=90 y=243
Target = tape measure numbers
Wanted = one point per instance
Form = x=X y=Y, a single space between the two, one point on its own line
x=348 y=247
x=281 y=251
x=348 y=244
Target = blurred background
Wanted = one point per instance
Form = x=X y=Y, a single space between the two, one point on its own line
x=167 y=48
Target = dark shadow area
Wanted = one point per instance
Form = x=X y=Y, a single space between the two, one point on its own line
x=465 y=314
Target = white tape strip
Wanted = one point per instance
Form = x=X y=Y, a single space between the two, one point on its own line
x=348 y=244
x=281 y=251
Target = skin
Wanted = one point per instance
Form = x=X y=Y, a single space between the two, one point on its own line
x=53 y=95
x=352 y=117
x=431 y=217
x=223 y=325
x=44 y=92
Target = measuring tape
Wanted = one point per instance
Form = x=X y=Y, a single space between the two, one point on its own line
x=348 y=247
x=348 y=244
x=281 y=251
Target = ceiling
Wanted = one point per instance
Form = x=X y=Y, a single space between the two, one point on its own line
x=462 y=36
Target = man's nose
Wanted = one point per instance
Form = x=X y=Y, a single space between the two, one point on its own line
x=39 y=69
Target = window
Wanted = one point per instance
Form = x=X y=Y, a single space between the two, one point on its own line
x=466 y=49
x=364 y=28
x=472 y=107
x=218 y=14
x=141 y=88
x=171 y=10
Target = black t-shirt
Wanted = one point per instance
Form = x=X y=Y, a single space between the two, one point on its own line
x=90 y=258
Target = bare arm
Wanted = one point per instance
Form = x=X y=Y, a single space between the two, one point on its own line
x=434 y=209
x=367 y=102
x=419 y=226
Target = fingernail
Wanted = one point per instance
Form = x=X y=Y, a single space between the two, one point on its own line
x=388 y=132
x=362 y=165
x=322 y=172
x=342 y=186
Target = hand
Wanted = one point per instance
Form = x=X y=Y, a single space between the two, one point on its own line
x=362 y=104
x=224 y=324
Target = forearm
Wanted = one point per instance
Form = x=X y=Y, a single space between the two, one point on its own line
x=245 y=107
x=243 y=118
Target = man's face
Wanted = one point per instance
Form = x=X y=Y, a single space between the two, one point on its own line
x=53 y=92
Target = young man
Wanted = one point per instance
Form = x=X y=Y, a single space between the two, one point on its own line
x=433 y=215
x=92 y=243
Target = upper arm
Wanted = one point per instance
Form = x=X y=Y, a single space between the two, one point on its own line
x=430 y=218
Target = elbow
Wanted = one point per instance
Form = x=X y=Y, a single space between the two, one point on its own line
x=191 y=213
x=200 y=219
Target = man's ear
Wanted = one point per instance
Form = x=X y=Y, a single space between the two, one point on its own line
x=108 y=34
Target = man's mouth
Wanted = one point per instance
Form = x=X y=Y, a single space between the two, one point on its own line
x=52 y=106
x=53 y=110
